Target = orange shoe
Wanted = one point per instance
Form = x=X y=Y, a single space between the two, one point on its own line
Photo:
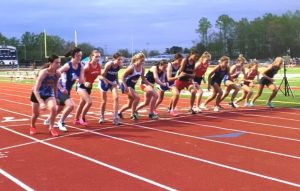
x=32 y=131
x=53 y=132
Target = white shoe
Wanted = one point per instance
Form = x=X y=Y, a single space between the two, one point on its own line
x=204 y=107
x=101 y=120
x=61 y=126
x=46 y=122
x=247 y=104
x=270 y=105
x=216 y=108
x=235 y=105
x=251 y=104
x=199 y=110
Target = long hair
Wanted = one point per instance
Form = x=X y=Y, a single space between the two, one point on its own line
x=204 y=55
x=50 y=60
x=137 y=57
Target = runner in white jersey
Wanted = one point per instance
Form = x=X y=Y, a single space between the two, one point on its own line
x=128 y=80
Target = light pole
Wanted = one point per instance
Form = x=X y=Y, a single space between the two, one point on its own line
x=147 y=43
x=221 y=24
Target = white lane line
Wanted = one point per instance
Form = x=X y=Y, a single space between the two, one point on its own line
x=202 y=138
x=15 y=180
x=197 y=159
x=162 y=150
x=208 y=115
x=93 y=160
x=237 y=130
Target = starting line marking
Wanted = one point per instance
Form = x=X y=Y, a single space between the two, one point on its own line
x=15 y=180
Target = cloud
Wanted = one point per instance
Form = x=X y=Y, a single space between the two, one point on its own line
x=160 y=23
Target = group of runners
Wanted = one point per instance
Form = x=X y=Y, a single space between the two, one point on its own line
x=52 y=90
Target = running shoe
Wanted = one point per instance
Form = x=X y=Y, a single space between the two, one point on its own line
x=153 y=116
x=120 y=115
x=53 y=132
x=216 y=109
x=235 y=105
x=270 y=105
x=192 y=111
x=204 y=107
x=134 y=116
x=46 y=122
x=101 y=120
x=80 y=122
x=116 y=121
x=32 y=131
x=61 y=126
x=231 y=104
x=251 y=104
x=174 y=113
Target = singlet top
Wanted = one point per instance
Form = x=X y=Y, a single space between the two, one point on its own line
x=69 y=77
x=237 y=72
x=189 y=69
x=173 y=73
x=134 y=77
x=47 y=85
x=251 y=74
x=150 y=76
x=219 y=75
x=112 y=73
x=200 y=70
x=271 y=73
x=92 y=73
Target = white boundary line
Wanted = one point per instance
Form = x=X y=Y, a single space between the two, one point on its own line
x=93 y=160
x=203 y=138
x=15 y=180
x=154 y=148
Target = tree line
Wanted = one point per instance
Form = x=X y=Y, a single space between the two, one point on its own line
x=264 y=37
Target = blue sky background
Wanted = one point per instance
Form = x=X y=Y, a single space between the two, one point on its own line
x=115 y=24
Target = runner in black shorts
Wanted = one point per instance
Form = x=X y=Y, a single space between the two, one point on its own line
x=215 y=78
x=268 y=80
x=42 y=96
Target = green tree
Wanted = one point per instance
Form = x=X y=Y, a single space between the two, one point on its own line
x=226 y=25
x=125 y=53
x=153 y=53
x=203 y=27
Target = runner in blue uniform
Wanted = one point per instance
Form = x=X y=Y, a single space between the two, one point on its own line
x=43 y=93
x=110 y=81
x=71 y=72
x=132 y=74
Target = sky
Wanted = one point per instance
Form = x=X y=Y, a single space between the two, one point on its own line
x=131 y=24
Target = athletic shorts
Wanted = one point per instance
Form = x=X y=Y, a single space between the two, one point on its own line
x=62 y=99
x=82 y=86
x=103 y=87
x=198 y=80
x=34 y=100
x=122 y=87
x=182 y=84
x=264 y=81
x=163 y=88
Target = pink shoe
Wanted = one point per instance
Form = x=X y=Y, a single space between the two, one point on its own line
x=53 y=132
x=173 y=113
x=76 y=122
x=80 y=122
x=155 y=112
x=32 y=131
